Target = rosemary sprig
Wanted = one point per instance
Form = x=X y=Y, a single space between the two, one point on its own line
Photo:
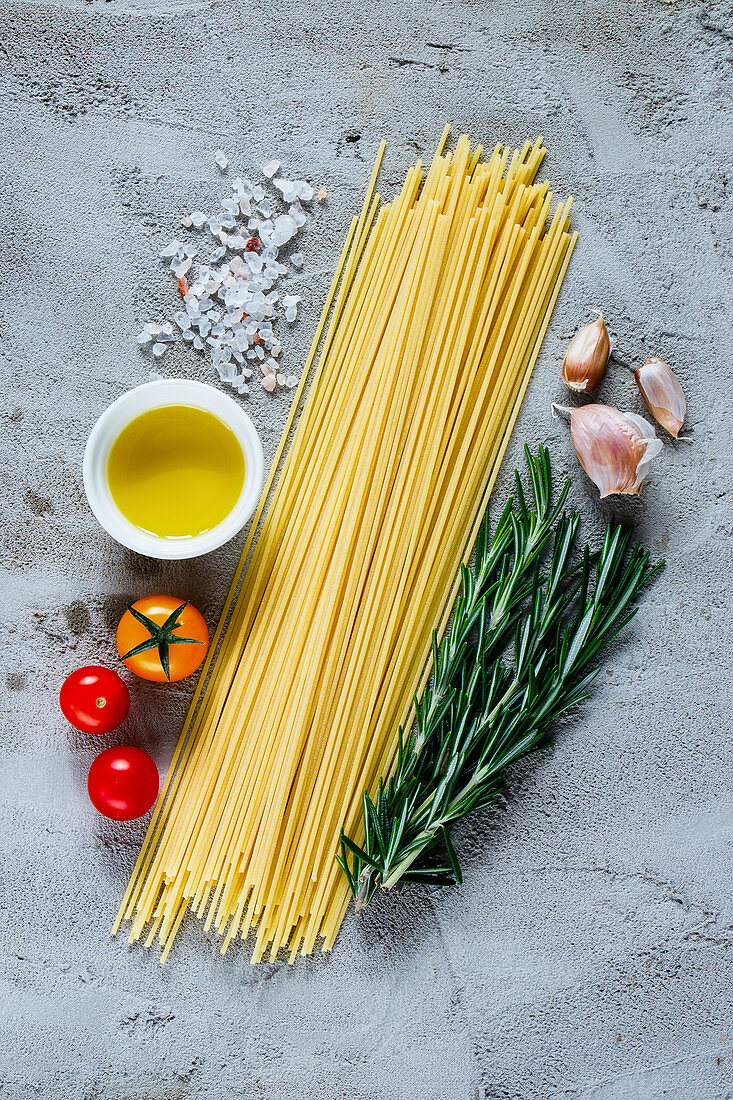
x=484 y=708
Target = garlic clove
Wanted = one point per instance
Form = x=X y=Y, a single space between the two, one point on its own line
x=615 y=449
x=586 y=359
x=662 y=394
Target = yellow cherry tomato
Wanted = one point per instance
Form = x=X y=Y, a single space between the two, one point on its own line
x=162 y=638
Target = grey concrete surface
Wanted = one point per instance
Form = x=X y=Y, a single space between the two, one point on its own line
x=587 y=953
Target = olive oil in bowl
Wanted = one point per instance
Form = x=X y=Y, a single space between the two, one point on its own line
x=176 y=471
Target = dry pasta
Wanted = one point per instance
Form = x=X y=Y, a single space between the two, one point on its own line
x=432 y=327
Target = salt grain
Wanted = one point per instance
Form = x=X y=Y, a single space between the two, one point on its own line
x=170 y=250
x=297 y=213
x=221 y=159
x=271 y=168
x=297 y=259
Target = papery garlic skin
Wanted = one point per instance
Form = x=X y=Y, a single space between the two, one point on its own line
x=662 y=394
x=615 y=449
x=586 y=359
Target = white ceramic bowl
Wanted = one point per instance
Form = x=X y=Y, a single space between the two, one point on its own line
x=153 y=395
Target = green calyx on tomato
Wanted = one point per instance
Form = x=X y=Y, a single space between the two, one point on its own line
x=161 y=636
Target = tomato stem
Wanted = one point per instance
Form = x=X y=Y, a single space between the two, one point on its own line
x=161 y=637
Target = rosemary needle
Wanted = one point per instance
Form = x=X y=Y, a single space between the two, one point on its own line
x=483 y=709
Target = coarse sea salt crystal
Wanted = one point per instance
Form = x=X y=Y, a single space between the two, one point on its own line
x=269 y=382
x=197 y=218
x=144 y=337
x=294 y=189
x=271 y=168
x=253 y=262
x=297 y=259
x=187 y=221
x=170 y=250
x=297 y=213
x=280 y=379
x=221 y=159
x=291 y=381
x=159 y=349
x=284 y=229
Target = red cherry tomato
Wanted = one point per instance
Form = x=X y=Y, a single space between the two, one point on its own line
x=123 y=782
x=94 y=699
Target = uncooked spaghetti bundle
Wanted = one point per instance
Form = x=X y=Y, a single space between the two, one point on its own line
x=418 y=368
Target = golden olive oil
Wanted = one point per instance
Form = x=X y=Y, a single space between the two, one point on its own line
x=176 y=471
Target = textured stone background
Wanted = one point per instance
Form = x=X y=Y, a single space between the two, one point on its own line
x=586 y=954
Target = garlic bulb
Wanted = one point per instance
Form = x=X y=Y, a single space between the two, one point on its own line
x=586 y=359
x=615 y=449
x=662 y=394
